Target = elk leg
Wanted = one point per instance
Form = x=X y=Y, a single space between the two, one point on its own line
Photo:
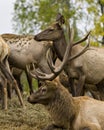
x=9 y=89
x=72 y=86
x=29 y=78
x=18 y=79
x=81 y=81
x=4 y=95
x=100 y=88
x=18 y=92
x=5 y=68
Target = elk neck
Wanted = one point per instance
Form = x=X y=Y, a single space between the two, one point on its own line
x=60 y=46
x=62 y=105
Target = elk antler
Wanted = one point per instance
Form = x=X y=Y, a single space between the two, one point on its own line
x=49 y=58
x=83 y=39
x=56 y=70
x=44 y=76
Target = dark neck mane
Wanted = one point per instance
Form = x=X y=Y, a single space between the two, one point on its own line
x=60 y=46
x=62 y=108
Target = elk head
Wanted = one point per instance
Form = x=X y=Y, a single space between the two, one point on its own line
x=44 y=94
x=55 y=31
x=66 y=59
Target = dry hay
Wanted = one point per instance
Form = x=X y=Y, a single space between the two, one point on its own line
x=33 y=117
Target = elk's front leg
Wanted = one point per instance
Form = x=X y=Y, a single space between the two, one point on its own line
x=81 y=81
x=72 y=86
x=29 y=78
x=4 y=95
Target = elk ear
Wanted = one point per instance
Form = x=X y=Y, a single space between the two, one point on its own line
x=60 y=19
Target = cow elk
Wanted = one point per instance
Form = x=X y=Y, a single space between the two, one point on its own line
x=5 y=73
x=86 y=69
x=24 y=50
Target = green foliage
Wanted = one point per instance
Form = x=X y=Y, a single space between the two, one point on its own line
x=32 y=16
x=92 y=9
x=95 y=10
x=26 y=85
x=102 y=2
x=24 y=16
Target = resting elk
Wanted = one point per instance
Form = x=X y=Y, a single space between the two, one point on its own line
x=67 y=112
x=5 y=73
x=26 y=51
x=88 y=68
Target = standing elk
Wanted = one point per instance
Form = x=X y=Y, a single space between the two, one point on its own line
x=67 y=112
x=88 y=68
x=25 y=51
x=5 y=73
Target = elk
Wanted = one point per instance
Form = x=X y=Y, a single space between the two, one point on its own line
x=88 y=68
x=67 y=112
x=5 y=73
x=26 y=51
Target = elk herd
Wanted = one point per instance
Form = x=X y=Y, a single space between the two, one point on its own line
x=63 y=68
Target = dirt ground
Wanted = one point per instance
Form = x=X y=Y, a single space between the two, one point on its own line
x=33 y=117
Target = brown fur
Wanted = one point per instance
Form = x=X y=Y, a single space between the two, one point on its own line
x=70 y=113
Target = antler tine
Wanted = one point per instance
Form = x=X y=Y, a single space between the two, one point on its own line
x=44 y=76
x=83 y=39
x=49 y=61
x=35 y=71
x=40 y=75
x=80 y=53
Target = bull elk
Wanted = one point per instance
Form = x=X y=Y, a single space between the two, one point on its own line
x=67 y=112
x=88 y=68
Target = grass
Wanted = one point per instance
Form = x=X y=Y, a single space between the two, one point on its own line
x=33 y=117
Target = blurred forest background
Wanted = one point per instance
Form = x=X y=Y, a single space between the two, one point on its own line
x=31 y=16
